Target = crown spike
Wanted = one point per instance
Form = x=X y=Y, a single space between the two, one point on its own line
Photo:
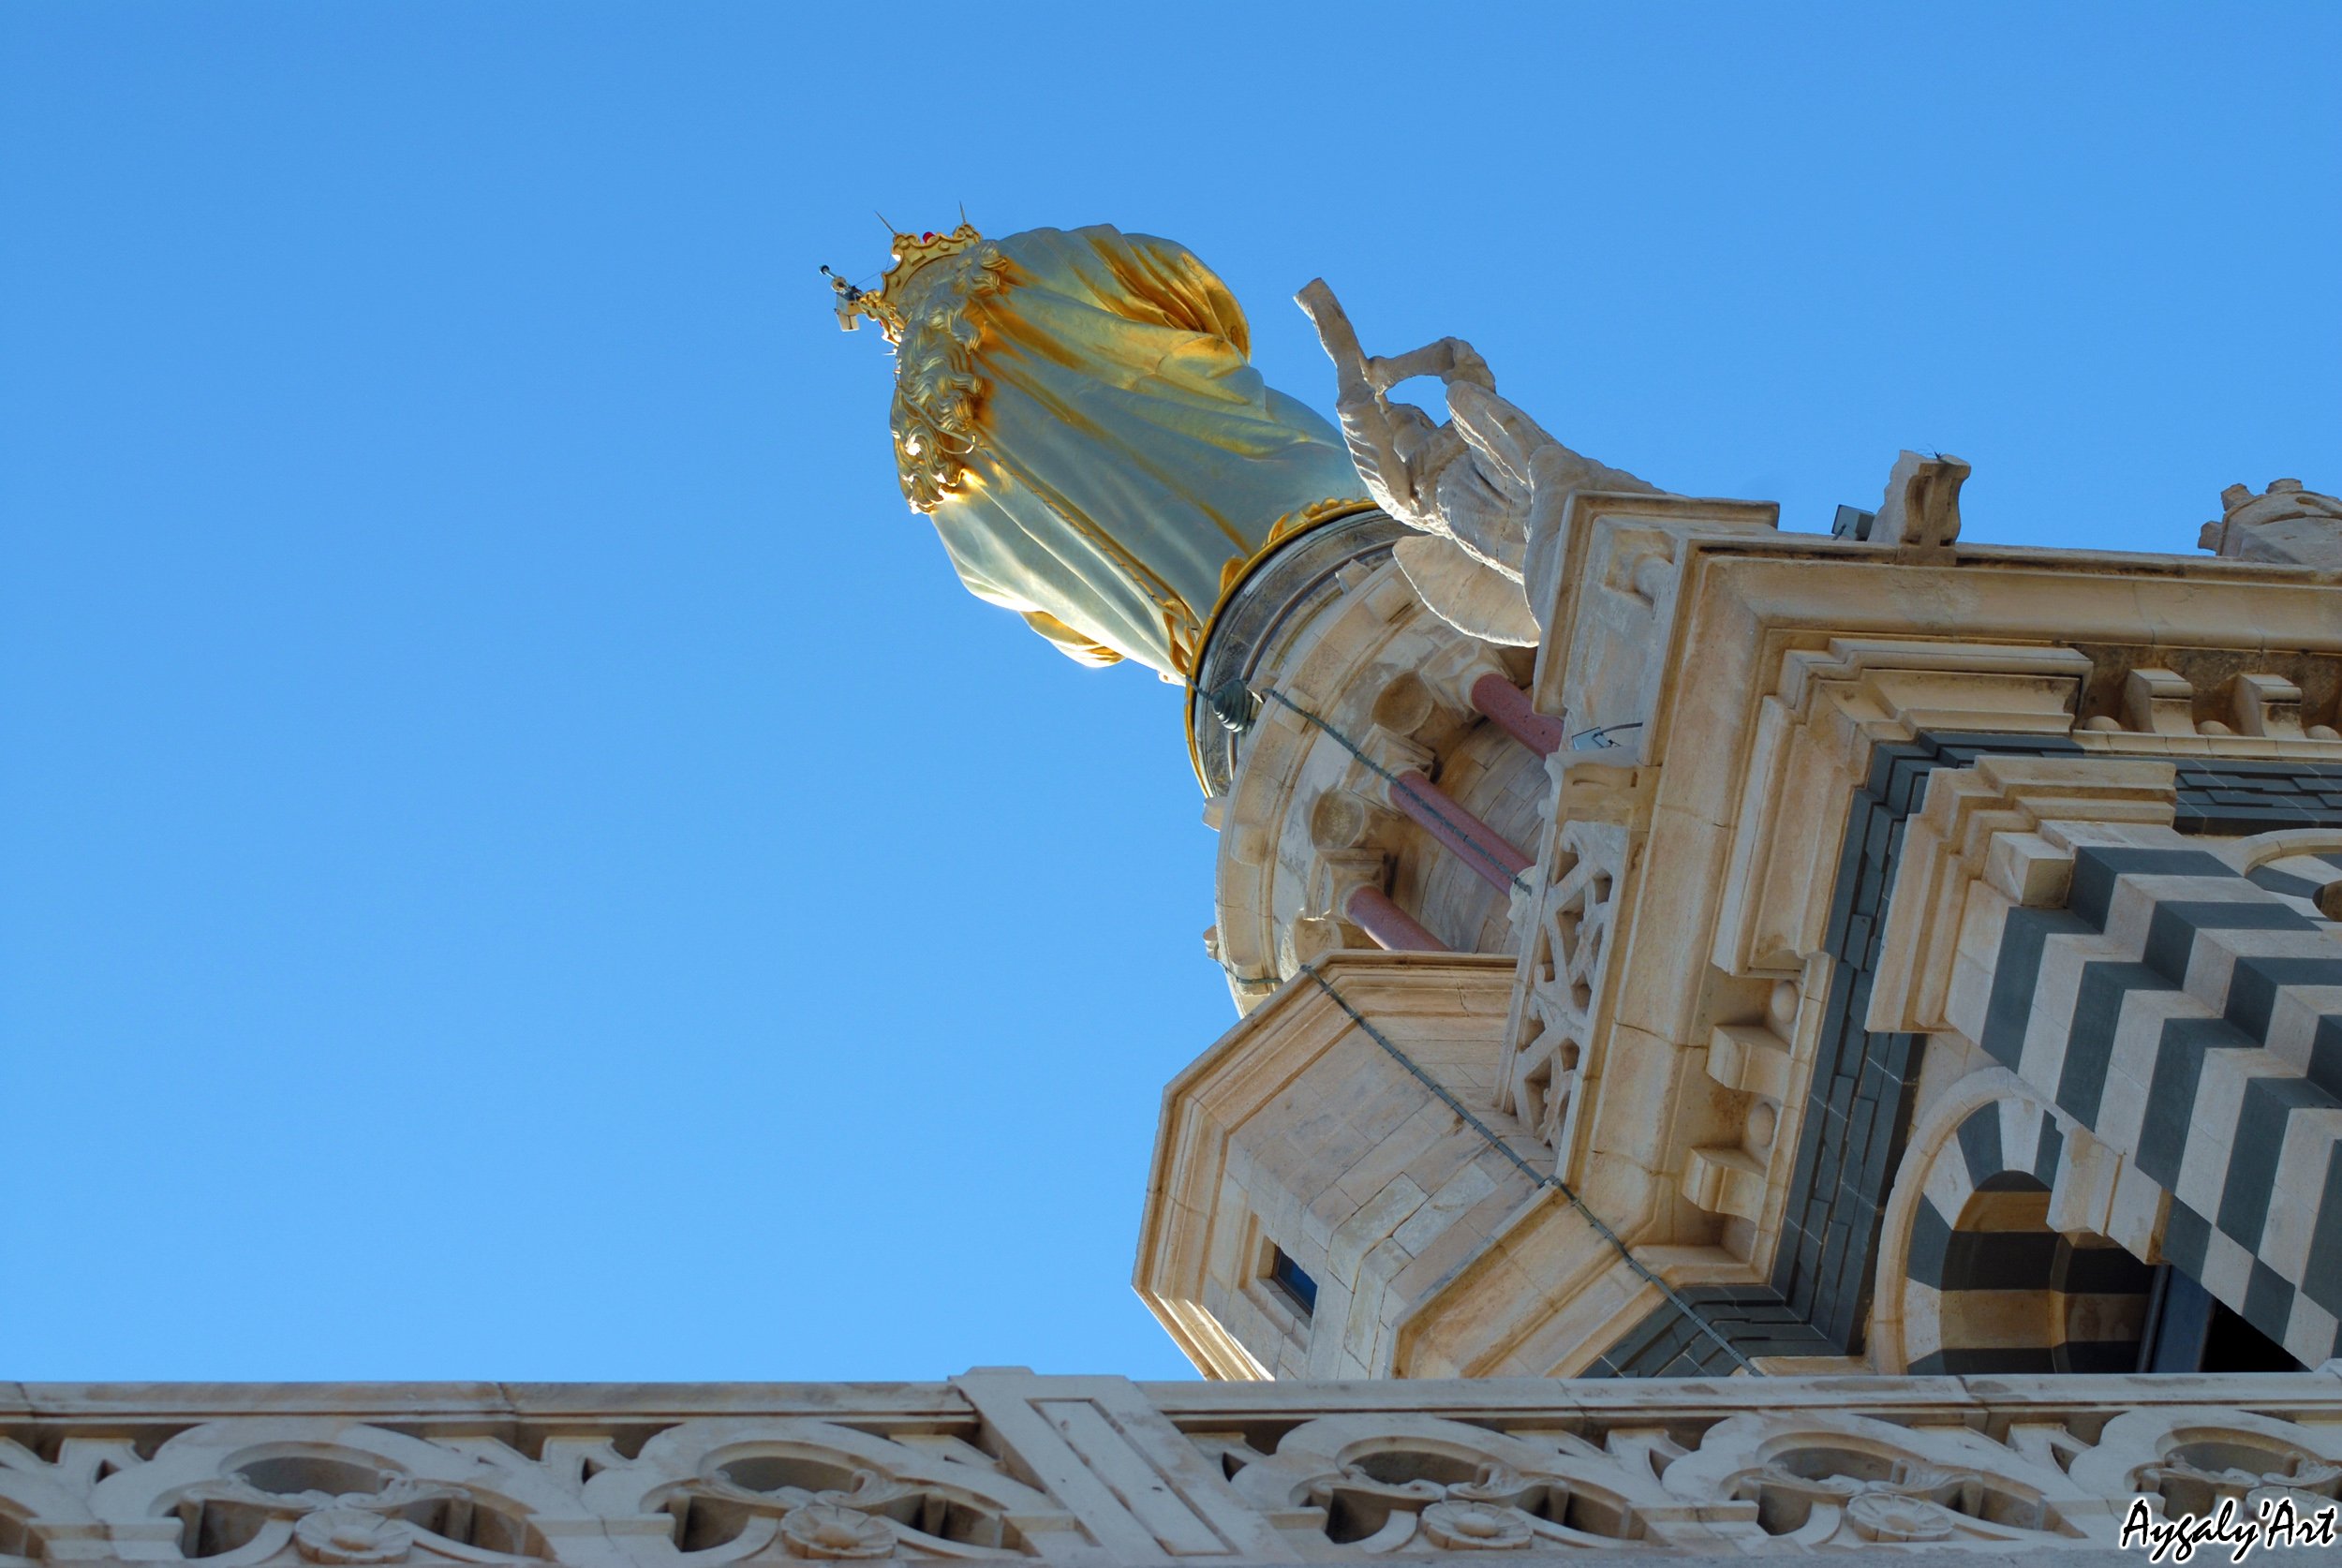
x=883 y=304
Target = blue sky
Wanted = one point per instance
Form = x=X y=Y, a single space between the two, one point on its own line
x=517 y=858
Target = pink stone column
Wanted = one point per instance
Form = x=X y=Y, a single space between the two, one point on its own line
x=1508 y=707
x=1479 y=844
x=1370 y=909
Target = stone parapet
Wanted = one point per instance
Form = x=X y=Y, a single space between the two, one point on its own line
x=1102 y=1471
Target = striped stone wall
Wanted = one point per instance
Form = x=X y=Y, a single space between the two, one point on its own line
x=2188 y=1014
x=1991 y=1286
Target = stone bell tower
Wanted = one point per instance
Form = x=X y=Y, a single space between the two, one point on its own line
x=1851 y=953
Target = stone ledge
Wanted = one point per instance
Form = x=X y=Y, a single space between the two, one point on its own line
x=1099 y=1470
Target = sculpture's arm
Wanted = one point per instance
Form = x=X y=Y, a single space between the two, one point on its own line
x=1367 y=423
x=1341 y=340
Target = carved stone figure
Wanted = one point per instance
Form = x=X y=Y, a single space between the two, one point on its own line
x=1484 y=490
x=2286 y=523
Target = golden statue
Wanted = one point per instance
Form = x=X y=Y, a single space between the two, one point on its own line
x=1076 y=413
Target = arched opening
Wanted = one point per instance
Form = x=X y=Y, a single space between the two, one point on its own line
x=2014 y=1295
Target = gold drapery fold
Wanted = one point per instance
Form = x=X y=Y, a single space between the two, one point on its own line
x=1076 y=414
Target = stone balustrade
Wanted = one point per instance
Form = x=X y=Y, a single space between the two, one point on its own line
x=1100 y=1470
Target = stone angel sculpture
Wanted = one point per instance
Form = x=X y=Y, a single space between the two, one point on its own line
x=1484 y=491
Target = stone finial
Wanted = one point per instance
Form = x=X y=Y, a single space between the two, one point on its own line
x=2287 y=524
x=1921 y=508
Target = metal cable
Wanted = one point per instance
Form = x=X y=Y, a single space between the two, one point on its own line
x=1540 y=1177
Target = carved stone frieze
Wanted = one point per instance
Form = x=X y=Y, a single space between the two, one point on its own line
x=1093 y=1471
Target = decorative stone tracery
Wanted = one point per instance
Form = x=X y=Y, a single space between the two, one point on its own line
x=819 y=1489
x=1390 y=1484
x=1097 y=1471
x=1558 y=999
x=1832 y=1480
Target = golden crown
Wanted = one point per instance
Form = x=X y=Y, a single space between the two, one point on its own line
x=883 y=304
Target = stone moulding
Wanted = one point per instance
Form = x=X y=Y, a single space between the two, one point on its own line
x=1282 y=586
x=1304 y=819
x=1089 y=1471
x=1864 y=1075
x=1713 y=1034
x=1231 y=1160
x=1826 y=681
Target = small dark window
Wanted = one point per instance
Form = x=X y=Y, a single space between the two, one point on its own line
x=1294 y=1280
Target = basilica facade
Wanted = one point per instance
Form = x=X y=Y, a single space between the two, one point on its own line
x=1747 y=1043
